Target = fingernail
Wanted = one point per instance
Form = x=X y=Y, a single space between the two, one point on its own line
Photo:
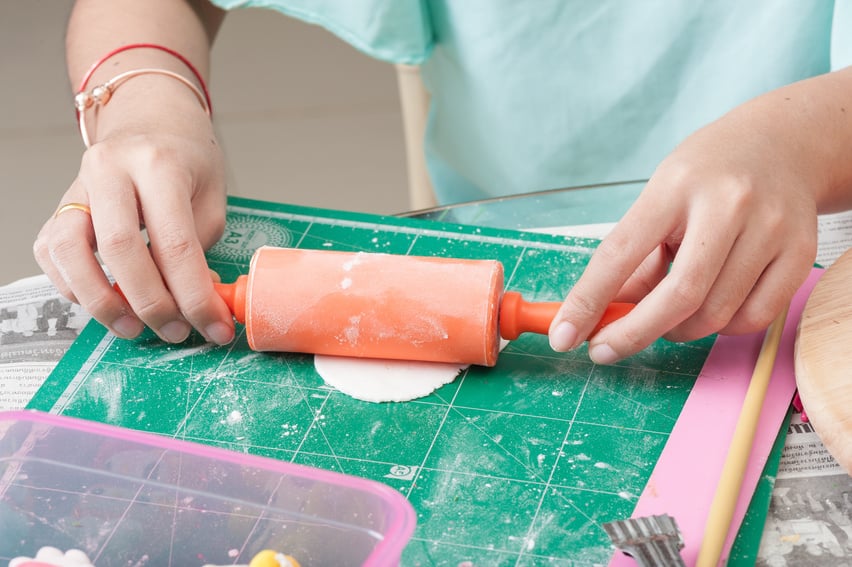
x=127 y=327
x=563 y=337
x=219 y=333
x=603 y=354
x=175 y=331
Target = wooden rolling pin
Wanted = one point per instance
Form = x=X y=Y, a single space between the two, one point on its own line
x=388 y=306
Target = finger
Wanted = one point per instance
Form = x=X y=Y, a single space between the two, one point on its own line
x=209 y=212
x=773 y=290
x=781 y=279
x=615 y=259
x=42 y=255
x=678 y=295
x=179 y=255
x=751 y=288
x=735 y=281
x=647 y=276
x=721 y=303
x=115 y=215
x=70 y=251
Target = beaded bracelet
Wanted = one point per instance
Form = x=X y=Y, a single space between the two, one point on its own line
x=101 y=94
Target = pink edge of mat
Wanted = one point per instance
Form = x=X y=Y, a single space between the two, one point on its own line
x=684 y=480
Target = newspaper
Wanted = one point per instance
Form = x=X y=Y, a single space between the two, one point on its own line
x=37 y=327
x=810 y=515
x=834 y=234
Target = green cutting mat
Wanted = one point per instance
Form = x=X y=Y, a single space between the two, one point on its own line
x=515 y=465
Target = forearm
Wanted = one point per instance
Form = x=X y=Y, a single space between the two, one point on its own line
x=810 y=123
x=99 y=26
x=838 y=115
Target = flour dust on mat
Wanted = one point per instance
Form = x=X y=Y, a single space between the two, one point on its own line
x=373 y=380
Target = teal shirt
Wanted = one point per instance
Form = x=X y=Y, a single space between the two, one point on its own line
x=527 y=96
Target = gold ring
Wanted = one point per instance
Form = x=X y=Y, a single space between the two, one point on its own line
x=69 y=206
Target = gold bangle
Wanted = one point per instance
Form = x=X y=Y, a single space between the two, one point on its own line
x=72 y=206
x=101 y=94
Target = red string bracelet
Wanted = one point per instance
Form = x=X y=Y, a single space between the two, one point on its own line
x=172 y=52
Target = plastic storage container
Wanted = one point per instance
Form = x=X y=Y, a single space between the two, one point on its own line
x=136 y=499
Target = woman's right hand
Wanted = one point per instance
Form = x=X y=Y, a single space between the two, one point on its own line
x=154 y=164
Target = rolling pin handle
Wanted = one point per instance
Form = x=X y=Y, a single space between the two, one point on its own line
x=519 y=316
x=234 y=295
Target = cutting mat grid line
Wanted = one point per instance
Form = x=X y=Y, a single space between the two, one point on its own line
x=322 y=393
x=434 y=440
x=515 y=465
x=86 y=368
x=191 y=400
x=529 y=537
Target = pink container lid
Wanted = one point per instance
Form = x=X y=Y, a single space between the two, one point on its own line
x=399 y=516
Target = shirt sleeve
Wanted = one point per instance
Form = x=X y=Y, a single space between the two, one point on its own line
x=841 y=39
x=395 y=31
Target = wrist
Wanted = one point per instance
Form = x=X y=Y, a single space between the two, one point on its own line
x=136 y=66
x=148 y=104
x=812 y=115
x=119 y=56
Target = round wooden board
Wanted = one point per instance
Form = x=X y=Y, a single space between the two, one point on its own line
x=823 y=359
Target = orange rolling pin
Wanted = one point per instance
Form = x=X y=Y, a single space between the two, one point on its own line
x=372 y=305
